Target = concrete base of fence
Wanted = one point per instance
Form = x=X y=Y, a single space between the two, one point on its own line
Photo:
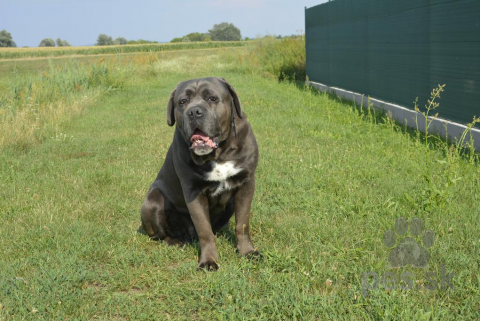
x=407 y=116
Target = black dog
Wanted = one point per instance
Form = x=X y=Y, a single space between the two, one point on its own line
x=208 y=173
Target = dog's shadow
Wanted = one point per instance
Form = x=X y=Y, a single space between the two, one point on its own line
x=140 y=230
x=227 y=234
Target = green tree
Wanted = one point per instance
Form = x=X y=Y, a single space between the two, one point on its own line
x=120 y=41
x=47 y=42
x=104 y=40
x=225 y=32
x=62 y=43
x=6 y=39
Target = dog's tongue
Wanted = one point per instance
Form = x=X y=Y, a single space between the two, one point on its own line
x=200 y=139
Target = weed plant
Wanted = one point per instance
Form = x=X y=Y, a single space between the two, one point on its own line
x=438 y=189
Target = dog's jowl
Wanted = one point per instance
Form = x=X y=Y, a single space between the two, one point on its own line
x=208 y=173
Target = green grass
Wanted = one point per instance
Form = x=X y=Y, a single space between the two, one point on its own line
x=35 y=105
x=331 y=180
x=15 y=53
x=284 y=58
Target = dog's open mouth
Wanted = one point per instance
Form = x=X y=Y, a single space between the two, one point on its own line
x=201 y=143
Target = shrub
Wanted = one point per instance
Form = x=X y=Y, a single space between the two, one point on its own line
x=193 y=37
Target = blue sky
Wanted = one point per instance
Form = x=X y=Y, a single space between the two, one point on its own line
x=81 y=21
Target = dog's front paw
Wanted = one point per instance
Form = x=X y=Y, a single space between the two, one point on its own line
x=208 y=258
x=254 y=255
x=251 y=254
x=246 y=249
x=208 y=265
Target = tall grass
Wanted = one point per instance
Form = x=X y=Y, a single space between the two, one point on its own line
x=35 y=105
x=283 y=58
x=12 y=53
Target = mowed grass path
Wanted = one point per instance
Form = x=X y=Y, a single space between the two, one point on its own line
x=329 y=184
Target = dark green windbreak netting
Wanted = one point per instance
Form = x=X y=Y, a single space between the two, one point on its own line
x=397 y=50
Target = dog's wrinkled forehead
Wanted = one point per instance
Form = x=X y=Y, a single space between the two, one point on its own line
x=201 y=87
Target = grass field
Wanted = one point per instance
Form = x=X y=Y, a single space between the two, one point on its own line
x=331 y=180
x=15 y=53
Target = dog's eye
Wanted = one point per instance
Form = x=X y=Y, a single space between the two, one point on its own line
x=183 y=101
x=214 y=99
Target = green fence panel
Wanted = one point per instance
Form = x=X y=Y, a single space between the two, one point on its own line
x=397 y=50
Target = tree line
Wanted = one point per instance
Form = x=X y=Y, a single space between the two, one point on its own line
x=49 y=42
x=220 y=32
x=6 y=40
x=106 y=40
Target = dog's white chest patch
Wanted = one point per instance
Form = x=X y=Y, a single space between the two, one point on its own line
x=220 y=173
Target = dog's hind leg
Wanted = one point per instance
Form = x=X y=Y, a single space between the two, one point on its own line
x=154 y=221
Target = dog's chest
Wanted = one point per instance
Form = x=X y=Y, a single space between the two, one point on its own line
x=221 y=173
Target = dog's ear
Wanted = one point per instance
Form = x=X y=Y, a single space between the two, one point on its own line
x=236 y=101
x=170 y=110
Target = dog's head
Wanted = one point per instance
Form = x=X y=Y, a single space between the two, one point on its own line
x=203 y=110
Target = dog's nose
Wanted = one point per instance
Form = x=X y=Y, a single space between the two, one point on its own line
x=195 y=112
